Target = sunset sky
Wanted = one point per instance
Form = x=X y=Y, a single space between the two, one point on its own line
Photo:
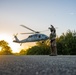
x=36 y=14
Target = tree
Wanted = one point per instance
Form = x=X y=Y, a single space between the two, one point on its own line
x=5 y=49
x=22 y=52
x=66 y=43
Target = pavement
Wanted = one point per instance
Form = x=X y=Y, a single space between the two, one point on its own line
x=37 y=65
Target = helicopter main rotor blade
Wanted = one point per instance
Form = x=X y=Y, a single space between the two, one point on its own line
x=26 y=33
x=29 y=28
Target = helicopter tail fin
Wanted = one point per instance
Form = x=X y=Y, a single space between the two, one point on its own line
x=16 y=39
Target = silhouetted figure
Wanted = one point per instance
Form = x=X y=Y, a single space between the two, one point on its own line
x=53 y=41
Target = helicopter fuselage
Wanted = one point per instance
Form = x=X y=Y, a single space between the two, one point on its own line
x=32 y=38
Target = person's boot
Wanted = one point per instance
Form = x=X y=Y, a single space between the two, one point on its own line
x=51 y=54
x=55 y=51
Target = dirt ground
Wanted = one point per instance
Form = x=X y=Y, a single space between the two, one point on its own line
x=37 y=65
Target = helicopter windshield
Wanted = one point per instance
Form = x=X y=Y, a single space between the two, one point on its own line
x=35 y=35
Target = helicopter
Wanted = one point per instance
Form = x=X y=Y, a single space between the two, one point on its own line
x=36 y=36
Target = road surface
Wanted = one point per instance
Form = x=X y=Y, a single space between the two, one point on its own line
x=37 y=65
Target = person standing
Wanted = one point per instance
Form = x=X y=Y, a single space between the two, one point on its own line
x=53 y=41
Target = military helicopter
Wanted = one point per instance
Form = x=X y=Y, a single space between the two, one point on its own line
x=36 y=36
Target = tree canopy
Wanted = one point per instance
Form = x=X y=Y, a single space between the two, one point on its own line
x=5 y=48
x=66 y=44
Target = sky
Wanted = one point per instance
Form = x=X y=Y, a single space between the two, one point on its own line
x=37 y=15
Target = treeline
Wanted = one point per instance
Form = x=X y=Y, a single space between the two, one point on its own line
x=66 y=45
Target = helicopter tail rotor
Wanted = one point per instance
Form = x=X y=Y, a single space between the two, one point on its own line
x=15 y=38
x=15 y=34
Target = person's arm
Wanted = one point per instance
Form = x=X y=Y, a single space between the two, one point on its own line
x=53 y=28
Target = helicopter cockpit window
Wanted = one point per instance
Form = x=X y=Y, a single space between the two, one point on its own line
x=30 y=36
